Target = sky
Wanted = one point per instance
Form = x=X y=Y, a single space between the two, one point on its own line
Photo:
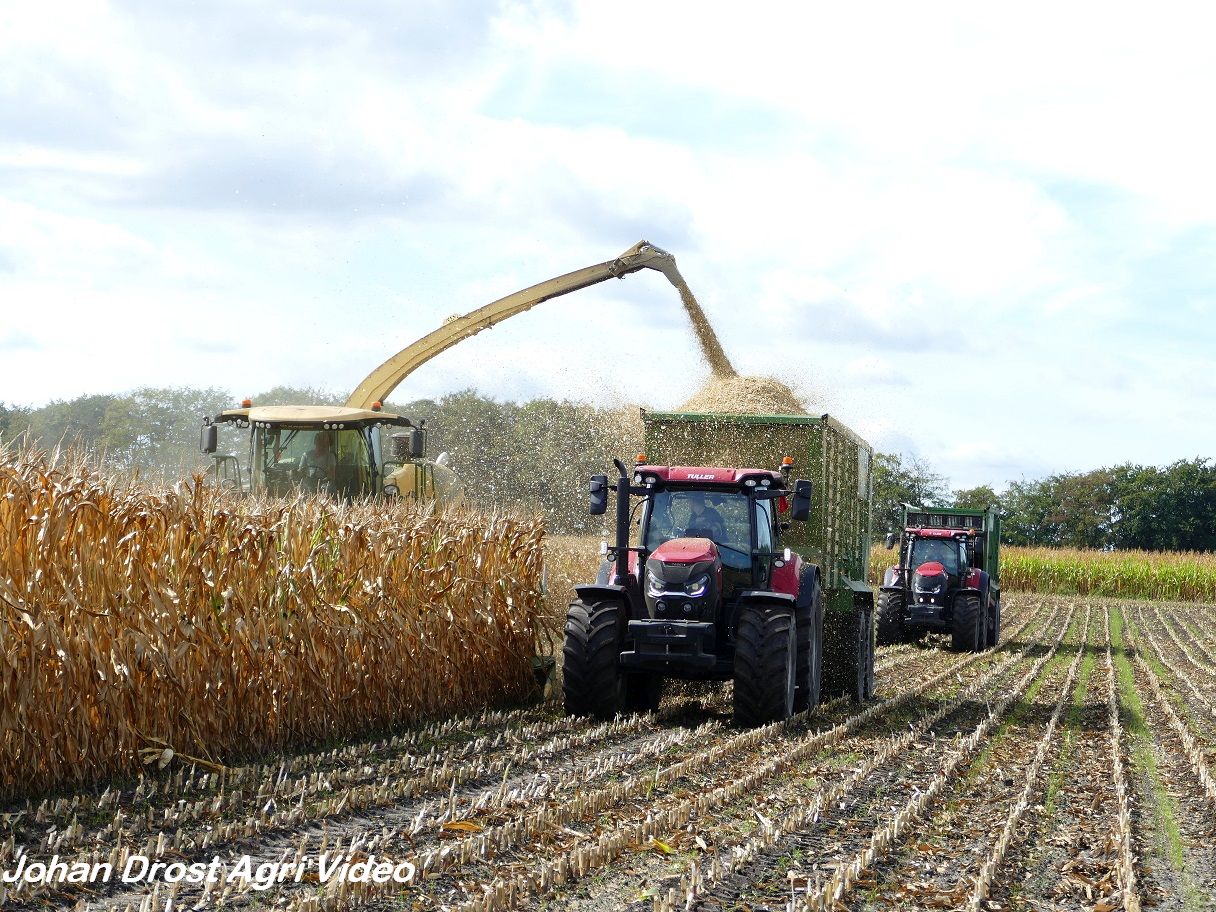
x=985 y=236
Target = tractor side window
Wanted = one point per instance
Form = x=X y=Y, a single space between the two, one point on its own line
x=764 y=525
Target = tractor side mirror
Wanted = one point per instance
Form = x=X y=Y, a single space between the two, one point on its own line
x=890 y=540
x=599 y=495
x=800 y=507
x=209 y=439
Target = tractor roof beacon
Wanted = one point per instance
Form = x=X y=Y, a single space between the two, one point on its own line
x=947 y=578
x=723 y=579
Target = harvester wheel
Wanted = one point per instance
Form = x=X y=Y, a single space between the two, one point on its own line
x=766 y=659
x=994 y=624
x=643 y=692
x=809 y=616
x=891 y=628
x=968 y=635
x=592 y=682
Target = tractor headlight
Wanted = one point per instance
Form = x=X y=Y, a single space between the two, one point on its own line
x=654 y=585
x=696 y=587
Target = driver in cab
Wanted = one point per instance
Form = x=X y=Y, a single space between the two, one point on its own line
x=703 y=519
x=319 y=465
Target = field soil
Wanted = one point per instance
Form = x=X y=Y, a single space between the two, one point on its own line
x=1070 y=768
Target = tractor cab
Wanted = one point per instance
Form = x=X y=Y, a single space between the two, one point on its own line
x=938 y=560
x=699 y=534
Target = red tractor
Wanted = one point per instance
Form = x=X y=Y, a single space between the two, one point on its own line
x=947 y=579
x=704 y=591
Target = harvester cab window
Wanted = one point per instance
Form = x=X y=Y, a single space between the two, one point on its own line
x=314 y=459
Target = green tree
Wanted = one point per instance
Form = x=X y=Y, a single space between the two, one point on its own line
x=900 y=479
x=978 y=498
x=70 y=423
x=156 y=430
x=296 y=395
x=14 y=421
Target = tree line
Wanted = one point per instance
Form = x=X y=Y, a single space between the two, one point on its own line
x=537 y=456
x=1154 y=508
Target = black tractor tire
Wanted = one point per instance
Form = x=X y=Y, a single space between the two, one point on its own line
x=994 y=624
x=809 y=673
x=968 y=634
x=643 y=692
x=766 y=659
x=891 y=629
x=592 y=681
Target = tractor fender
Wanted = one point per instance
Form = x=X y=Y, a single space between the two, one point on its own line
x=890 y=588
x=789 y=578
x=779 y=601
x=889 y=577
x=808 y=583
x=594 y=592
x=978 y=580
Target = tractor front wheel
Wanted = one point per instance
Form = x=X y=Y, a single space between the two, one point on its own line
x=766 y=661
x=968 y=633
x=592 y=682
x=891 y=628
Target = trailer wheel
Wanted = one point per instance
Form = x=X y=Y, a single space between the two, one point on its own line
x=994 y=624
x=864 y=652
x=592 y=682
x=869 y=634
x=968 y=634
x=766 y=659
x=891 y=628
x=809 y=617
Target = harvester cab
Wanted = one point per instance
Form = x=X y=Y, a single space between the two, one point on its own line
x=346 y=452
x=703 y=591
x=947 y=578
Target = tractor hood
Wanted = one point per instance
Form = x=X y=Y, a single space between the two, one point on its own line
x=683 y=579
x=931 y=568
x=685 y=551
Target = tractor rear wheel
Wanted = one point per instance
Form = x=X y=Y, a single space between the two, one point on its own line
x=766 y=659
x=968 y=634
x=809 y=675
x=891 y=628
x=592 y=682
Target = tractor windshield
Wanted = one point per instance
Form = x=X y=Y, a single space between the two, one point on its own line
x=722 y=517
x=946 y=551
x=287 y=459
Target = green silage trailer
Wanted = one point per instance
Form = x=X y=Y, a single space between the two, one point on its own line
x=836 y=537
